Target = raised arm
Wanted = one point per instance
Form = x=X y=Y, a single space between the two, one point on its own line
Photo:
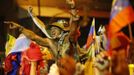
x=74 y=29
x=39 y=40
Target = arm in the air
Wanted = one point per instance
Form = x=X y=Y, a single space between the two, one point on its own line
x=41 y=41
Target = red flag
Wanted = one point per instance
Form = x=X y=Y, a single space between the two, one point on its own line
x=121 y=15
x=33 y=52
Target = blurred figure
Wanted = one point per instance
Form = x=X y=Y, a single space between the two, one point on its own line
x=131 y=57
x=102 y=63
x=119 y=45
x=62 y=42
x=79 y=69
x=64 y=66
x=58 y=31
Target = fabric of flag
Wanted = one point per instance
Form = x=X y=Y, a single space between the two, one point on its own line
x=104 y=38
x=25 y=65
x=33 y=52
x=122 y=14
x=21 y=44
x=10 y=43
x=89 y=70
x=91 y=34
x=12 y=63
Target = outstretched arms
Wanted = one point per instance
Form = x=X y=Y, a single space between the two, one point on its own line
x=28 y=33
x=31 y=35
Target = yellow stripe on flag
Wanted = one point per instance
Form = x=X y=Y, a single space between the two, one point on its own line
x=10 y=43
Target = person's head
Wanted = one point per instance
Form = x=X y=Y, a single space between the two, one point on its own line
x=57 y=28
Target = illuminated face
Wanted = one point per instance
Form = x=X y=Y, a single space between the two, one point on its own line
x=55 y=32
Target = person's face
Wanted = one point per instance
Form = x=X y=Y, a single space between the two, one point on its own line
x=55 y=32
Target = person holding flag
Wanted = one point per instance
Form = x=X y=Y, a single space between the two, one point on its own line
x=119 y=44
x=122 y=15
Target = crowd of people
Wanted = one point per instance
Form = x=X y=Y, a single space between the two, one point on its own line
x=62 y=55
x=59 y=52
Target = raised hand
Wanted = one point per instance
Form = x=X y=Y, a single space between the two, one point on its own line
x=12 y=25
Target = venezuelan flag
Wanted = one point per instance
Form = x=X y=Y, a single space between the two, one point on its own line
x=122 y=14
x=91 y=35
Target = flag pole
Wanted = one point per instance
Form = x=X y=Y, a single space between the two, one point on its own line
x=130 y=32
x=39 y=11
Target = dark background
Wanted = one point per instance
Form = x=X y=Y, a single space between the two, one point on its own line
x=9 y=11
